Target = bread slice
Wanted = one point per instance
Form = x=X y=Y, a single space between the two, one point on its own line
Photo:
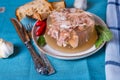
x=38 y=9
x=34 y=9
x=58 y=5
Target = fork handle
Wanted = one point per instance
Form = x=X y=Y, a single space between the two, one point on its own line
x=40 y=65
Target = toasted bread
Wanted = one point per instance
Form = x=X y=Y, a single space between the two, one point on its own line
x=58 y=5
x=38 y=9
x=34 y=9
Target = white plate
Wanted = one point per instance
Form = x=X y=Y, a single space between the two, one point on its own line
x=66 y=56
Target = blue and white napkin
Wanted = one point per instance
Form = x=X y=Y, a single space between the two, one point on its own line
x=113 y=47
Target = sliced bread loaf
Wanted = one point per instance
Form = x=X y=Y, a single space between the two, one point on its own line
x=34 y=9
x=38 y=9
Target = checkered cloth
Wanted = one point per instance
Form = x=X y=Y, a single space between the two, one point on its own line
x=113 y=47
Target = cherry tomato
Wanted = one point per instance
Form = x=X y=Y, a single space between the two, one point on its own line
x=41 y=29
x=39 y=23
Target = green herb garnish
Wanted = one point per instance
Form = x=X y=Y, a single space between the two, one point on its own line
x=104 y=34
x=41 y=41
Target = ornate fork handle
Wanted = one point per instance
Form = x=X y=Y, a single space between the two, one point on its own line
x=38 y=61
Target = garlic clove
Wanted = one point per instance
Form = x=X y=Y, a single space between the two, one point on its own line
x=82 y=4
x=6 y=49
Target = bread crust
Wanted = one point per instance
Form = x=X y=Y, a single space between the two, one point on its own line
x=37 y=9
x=58 y=5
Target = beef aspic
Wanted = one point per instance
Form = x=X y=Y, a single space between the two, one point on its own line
x=71 y=27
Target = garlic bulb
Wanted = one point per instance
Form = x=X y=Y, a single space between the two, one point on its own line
x=6 y=49
x=82 y=4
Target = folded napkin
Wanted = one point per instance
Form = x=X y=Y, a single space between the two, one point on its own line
x=113 y=47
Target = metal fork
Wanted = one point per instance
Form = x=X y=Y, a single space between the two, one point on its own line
x=51 y=70
x=29 y=27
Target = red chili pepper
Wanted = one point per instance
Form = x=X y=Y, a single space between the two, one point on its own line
x=41 y=29
x=39 y=23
